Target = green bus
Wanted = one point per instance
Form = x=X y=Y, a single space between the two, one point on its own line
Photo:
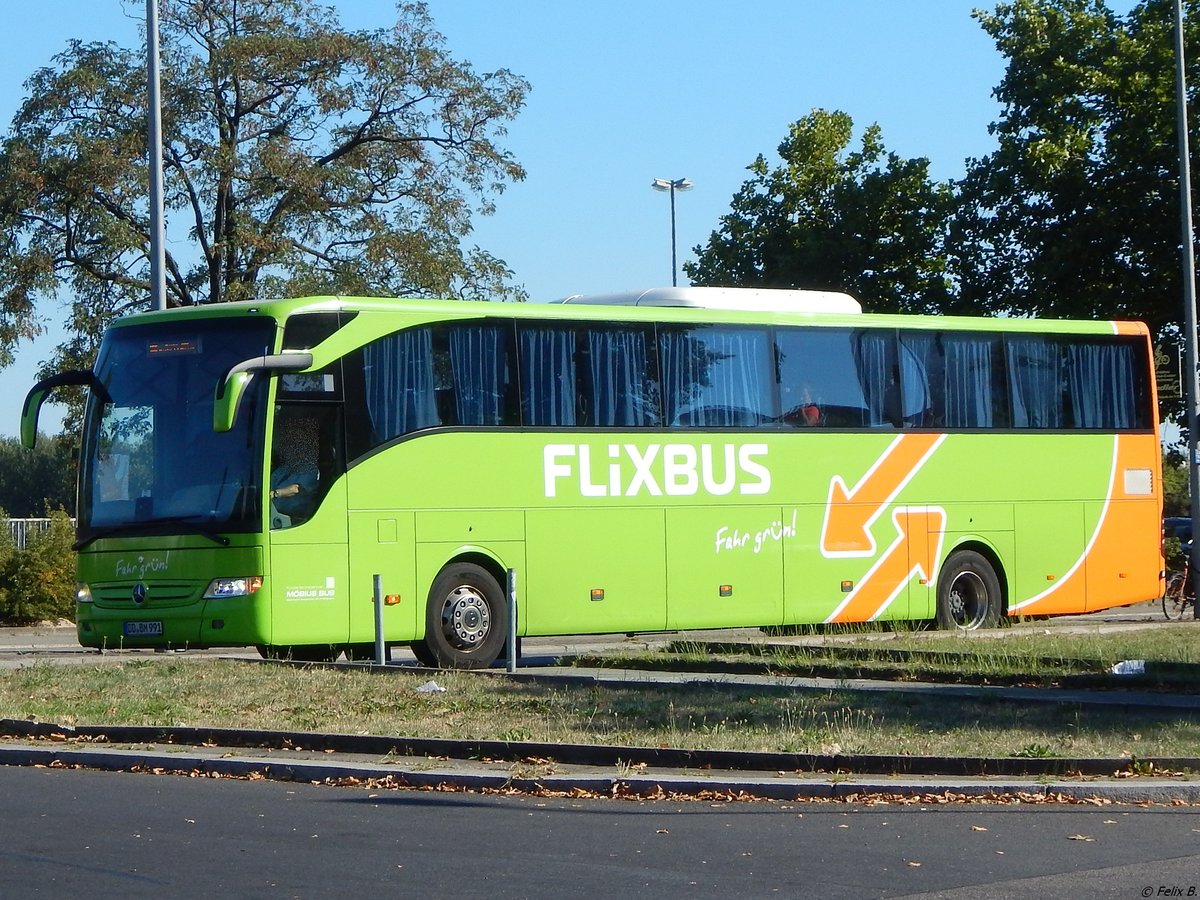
x=673 y=459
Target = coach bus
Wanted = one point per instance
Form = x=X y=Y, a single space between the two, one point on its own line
x=672 y=459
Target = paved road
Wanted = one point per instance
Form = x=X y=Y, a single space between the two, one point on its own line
x=95 y=834
x=65 y=832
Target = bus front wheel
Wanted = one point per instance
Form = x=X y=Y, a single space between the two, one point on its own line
x=968 y=593
x=466 y=620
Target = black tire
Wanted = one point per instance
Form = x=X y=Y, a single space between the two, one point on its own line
x=423 y=655
x=466 y=619
x=1174 y=601
x=968 y=593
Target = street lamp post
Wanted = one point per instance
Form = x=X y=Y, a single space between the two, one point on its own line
x=666 y=184
x=1192 y=384
x=154 y=150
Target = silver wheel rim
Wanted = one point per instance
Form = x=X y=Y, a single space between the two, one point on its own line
x=466 y=618
x=968 y=600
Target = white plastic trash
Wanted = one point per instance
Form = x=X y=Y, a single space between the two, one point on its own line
x=1130 y=667
x=431 y=687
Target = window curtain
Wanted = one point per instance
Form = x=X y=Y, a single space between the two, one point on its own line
x=478 y=364
x=398 y=371
x=1102 y=385
x=548 y=389
x=715 y=378
x=969 y=388
x=1035 y=377
x=921 y=378
x=872 y=358
x=619 y=392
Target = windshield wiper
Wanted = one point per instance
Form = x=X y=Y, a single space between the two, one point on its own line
x=127 y=527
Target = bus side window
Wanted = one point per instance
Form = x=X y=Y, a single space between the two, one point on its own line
x=619 y=387
x=835 y=377
x=481 y=367
x=549 y=392
x=922 y=379
x=717 y=377
x=1037 y=380
x=975 y=387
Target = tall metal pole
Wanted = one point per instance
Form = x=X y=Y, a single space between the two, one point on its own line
x=671 y=185
x=674 y=269
x=158 y=253
x=1189 y=297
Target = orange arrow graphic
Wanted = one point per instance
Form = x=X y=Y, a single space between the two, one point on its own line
x=915 y=551
x=850 y=514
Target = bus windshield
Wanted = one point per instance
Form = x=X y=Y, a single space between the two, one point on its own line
x=152 y=463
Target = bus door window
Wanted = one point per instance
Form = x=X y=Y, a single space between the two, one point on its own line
x=305 y=459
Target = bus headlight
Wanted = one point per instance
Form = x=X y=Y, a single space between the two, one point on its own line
x=220 y=588
x=83 y=592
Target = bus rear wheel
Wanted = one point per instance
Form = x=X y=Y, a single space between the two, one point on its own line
x=968 y=593
x=466 y=620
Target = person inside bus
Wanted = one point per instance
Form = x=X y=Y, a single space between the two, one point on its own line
x=293 y=487
x=808 y=413
x=294 y=474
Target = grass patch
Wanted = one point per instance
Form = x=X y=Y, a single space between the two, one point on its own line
x=1171 y=652
x=229 y=694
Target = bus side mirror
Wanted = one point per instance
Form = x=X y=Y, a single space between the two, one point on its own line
x=233 y=386
x=39 y=392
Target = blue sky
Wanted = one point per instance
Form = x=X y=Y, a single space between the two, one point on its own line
x=624 y=92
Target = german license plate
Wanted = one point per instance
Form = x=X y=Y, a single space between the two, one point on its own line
x=143 y=629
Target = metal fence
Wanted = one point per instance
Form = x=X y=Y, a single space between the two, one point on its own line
x=20 y=529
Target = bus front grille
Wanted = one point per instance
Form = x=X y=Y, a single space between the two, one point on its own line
x=157 y=594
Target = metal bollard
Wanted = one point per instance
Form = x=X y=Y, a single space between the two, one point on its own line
x=380 y=650
x=512 y=621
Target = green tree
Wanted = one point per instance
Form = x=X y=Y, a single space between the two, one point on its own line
x=825 y=217
x=299 y=157
x=8 y=550
x=1075 y=214
x=1175 y=486
x=31 y=480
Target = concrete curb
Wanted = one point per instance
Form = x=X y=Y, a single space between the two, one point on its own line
x=468 y=776
x=581 y=769
x=605 y=755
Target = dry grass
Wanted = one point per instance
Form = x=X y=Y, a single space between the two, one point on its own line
x=222 y=693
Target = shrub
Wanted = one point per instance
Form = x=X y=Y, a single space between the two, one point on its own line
x=38 y=582
x=8 y=549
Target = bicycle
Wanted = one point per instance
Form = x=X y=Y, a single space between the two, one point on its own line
x=1180 y=595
